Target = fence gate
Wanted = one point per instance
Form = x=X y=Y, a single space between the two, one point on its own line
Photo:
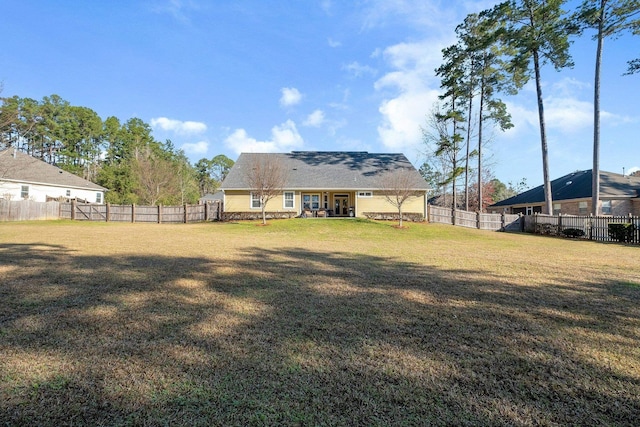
x=88 y=212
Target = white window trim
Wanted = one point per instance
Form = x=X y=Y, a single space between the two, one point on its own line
x=365 y=194
x=251 y=201
x=284 y=200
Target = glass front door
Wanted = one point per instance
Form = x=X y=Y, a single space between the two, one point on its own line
x=341 y=204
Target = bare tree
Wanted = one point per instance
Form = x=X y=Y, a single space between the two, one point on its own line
x=400 y=185
x=266 y=177
x=155 y=178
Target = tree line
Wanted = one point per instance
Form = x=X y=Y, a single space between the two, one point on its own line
x=497 y=52
x=123 y=157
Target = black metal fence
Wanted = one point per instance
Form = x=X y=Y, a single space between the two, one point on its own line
x=588 y=227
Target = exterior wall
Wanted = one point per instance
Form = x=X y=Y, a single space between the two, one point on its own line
x=39 y=193
x=240 y=201
x=379 y=203
x=572 y=207
x=621 y=207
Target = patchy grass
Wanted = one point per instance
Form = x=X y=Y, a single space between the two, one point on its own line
x=314 y=322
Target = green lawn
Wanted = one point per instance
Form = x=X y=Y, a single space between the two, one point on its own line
x=314 y=322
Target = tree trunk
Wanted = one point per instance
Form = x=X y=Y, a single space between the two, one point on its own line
x=482 y=85
x=595 y=173
x=543 y=138
x=466 y=165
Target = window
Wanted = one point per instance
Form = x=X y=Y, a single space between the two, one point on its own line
x=24 y=192
x=606 y=207
x=98 y=197
x=68 y=193
x=289 y=201
x=311 y=201
x=255 y=201
x=557 y=208
x=365 y=194
x=582 y=208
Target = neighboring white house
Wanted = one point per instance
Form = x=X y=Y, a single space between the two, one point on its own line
x=25 y=177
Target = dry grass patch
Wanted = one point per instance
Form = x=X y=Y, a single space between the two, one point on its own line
x=314 y=323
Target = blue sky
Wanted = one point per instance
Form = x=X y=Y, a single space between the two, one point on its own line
x=222 y=77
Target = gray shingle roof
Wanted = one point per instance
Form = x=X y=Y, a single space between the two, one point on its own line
x=20 y=167
x=326 y=170
x=577 y=185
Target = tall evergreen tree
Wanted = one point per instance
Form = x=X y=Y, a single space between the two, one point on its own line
x=485 y=70
x=449 y=118
x=609 y=18
x=537 y=32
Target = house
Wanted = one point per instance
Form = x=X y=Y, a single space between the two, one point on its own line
x=326 y=183
x=218 y=196
x=571 y=194
x=25 y=177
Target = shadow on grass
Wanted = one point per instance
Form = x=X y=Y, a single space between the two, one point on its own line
x=303 y=337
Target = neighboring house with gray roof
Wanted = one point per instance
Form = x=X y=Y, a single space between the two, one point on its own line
x=327 y=183
x=619 y=195
x=25 y=177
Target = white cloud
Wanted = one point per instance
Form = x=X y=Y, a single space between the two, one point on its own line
x=179 y=9
x=290 y=96
x=568 y=115
x=403 y=117
x=284 y=138
x=315 y=119
x=326 y=5
x=358 y=70
x=333 y=43
x=200 y=147
x=178 y=127
x=412 y=92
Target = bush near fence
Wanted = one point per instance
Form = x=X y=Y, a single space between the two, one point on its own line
x=252 y=216
x=393 y=216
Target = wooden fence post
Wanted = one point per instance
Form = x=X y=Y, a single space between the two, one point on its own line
x=185 y=213
x=160 y=213
x=73 y=209
x=478 y=220
x=133 y=212
x=108 y=214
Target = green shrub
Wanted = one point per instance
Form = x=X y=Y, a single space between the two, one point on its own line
x=621 y=232
x=573 y=232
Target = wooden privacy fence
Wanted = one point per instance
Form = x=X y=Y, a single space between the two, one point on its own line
x=27 y=210
x=148 y=214
x=591 y=227
x=482 y=221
